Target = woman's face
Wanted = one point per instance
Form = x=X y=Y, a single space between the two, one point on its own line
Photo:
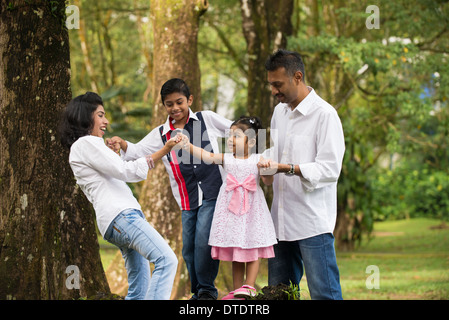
x=177 y=106
x=100 y=122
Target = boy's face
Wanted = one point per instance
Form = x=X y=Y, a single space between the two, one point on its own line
x=177 y=106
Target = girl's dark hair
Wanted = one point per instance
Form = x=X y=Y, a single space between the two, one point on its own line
x=174 y=85
x=250 y=126
x=77 y=120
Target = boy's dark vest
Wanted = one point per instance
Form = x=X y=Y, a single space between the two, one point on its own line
x=194 y=173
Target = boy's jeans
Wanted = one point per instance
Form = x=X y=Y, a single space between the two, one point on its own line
x=141 y=244
x=317 y=254
x=196 y=251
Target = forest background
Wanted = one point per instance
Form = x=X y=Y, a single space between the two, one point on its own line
x=384 y=69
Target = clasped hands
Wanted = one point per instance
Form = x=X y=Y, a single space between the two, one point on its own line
x=117 y=143
x=266 y=166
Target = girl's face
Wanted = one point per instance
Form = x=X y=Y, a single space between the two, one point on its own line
x=238 y=142
x=177 y=106
x=100 y=122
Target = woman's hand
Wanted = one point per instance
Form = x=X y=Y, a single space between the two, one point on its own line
x=116 y=143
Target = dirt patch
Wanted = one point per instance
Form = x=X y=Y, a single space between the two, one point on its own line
x=442 y=225
x=387 y=234
x=277 y=292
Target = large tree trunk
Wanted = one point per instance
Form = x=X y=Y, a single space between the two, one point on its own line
x=266 y=25
x=175 y=27
x=47 y=233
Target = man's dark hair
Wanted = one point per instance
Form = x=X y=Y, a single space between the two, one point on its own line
x=174 y=85
x=77 y=119
x=290 y=60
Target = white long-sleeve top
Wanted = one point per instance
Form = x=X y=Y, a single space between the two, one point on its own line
x=102 y=175
x=311 y=136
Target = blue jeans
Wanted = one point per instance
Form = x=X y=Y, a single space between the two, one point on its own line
x=196 y=251
x=141 y=244
x=317 y=256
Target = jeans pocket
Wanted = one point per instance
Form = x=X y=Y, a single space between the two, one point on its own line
x=118 y=235
x=132 y=215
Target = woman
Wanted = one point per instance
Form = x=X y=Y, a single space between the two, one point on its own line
x=102 y=176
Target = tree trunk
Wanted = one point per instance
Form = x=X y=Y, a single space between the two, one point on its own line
x=175 y=31
x=48 y=242
x=175 y=28
x=266 y=25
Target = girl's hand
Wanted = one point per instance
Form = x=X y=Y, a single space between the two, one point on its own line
x=176 y=142
x=182 y=141
x=267 y=166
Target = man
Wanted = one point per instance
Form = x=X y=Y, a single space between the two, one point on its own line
x=307 y=157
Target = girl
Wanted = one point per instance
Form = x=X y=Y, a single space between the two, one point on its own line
x=242 y=230
x=102 y=176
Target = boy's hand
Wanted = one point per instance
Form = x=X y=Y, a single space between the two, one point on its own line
x=182 y=141
x=175 y=142
x=115 y=143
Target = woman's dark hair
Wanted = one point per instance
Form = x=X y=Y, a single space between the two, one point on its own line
x=250 y=126
x=290 y=60
x=77 y=120
x=174 y=85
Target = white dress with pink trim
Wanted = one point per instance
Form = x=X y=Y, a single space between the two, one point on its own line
x=242 y=228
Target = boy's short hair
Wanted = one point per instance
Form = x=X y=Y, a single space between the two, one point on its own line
x=174 y=85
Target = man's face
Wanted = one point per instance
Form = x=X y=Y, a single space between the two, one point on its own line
x=284 y=87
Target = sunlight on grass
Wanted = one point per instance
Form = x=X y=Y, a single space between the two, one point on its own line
x=412 y=257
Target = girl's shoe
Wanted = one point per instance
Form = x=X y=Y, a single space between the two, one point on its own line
x=230 y=296
x=245 y=291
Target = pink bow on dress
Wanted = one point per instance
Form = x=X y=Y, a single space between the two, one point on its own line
x=249 y=184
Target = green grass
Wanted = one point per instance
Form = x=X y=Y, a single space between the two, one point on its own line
x=412 y=257
x=107 y=252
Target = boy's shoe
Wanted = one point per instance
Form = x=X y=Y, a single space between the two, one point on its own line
x=245 y=291
x=206 y=296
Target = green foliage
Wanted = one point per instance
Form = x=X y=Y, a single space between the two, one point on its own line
x=390 y=86
x=411 y=192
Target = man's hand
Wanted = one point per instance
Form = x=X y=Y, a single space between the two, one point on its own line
x=267 y=167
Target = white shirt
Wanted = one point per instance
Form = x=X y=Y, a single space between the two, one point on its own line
x=217 y=127
x=310 y=136
x=102 y=175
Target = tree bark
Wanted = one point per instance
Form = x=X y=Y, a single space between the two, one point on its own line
x=48 y=238
x=266 y=25
x=175 y=32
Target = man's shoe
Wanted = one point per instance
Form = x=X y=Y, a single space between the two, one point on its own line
x=206 y=296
